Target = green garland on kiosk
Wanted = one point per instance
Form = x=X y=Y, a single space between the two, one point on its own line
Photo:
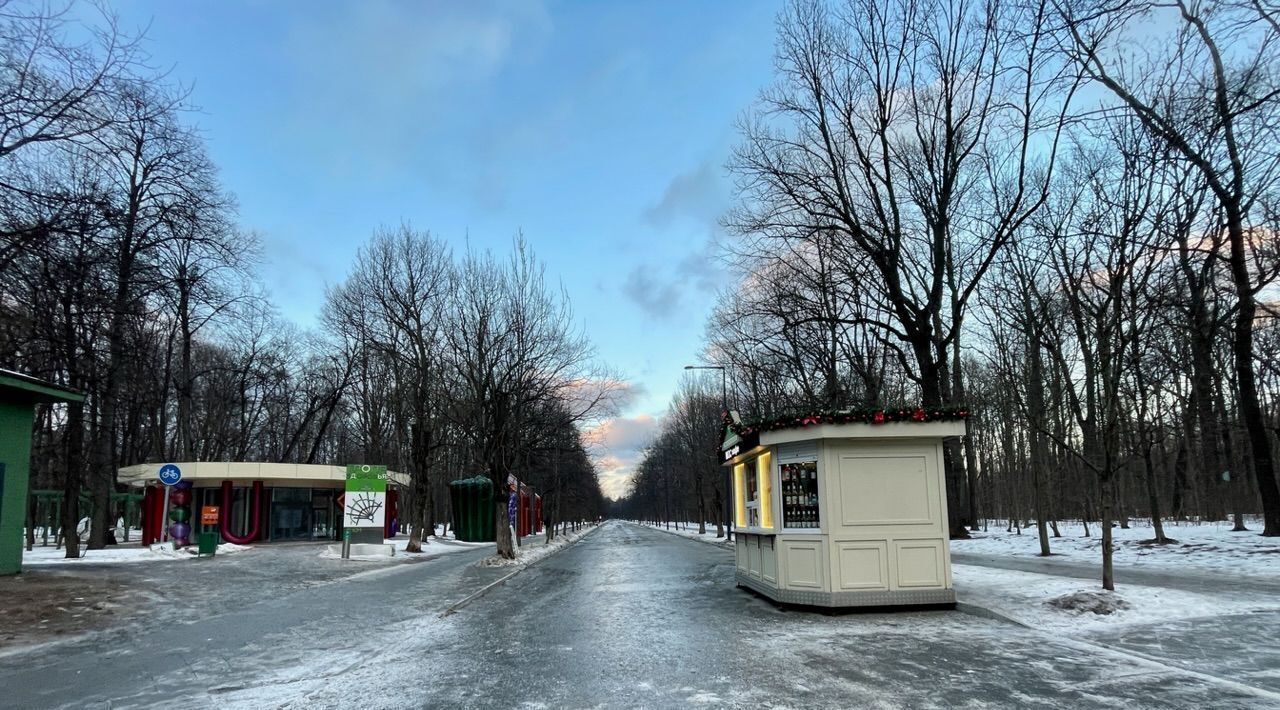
x=849 y=416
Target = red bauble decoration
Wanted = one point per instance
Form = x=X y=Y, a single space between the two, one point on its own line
x=918 y=415
x=878 y=417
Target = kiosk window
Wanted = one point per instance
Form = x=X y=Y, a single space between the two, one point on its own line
x=753 y=493
x=800 y=494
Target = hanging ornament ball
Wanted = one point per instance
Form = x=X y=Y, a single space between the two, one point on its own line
x=182 y=496
x=179 y=514
x=184 y=485
x=179 y=531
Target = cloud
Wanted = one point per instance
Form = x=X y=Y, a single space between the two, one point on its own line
x=614 y=477
x=620 y=443
x=657 y=297
x=702 y=270
x=699 y=195
x=622 y=435
x=660 y=293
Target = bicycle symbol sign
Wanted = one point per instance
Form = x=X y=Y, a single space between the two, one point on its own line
x=169 y=474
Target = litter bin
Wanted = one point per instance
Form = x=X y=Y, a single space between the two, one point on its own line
x=207 y=544
x=473 y=509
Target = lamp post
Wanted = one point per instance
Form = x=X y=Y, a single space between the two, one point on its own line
x=728 y=474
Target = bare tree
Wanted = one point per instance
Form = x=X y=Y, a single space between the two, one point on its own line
x=1212 y=95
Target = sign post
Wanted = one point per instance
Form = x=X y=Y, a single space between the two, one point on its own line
x=364 y=504
x=169 y=474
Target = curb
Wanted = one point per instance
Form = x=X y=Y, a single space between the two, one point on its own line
x=453 y=608
x=986 y=613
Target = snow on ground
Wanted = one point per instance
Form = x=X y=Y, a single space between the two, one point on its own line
x=1053 y=603
x=123 y=553
x=535 y=547
x=1204 y=547
x=443 y=545
x=690 y=531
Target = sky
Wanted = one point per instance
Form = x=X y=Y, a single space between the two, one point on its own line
x=599 y=130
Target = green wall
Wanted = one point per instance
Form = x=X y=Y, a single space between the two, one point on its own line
x=15 y=459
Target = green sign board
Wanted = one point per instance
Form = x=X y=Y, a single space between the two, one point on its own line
x=364 y=504
x=363 y=478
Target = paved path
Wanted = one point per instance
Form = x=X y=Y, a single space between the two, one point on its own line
x=628 y=617
x=632 y=617
x=245 y=607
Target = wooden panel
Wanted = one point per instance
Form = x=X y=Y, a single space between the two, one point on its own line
x=802 y=564
x=753 y=557
x=768 y=560
x=863 y=565
x=919 y=563
x=886 y=490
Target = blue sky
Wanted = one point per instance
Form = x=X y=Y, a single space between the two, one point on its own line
x=598 y=129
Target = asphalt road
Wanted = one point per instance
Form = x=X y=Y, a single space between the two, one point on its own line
x=629 y=617
x=262 y=605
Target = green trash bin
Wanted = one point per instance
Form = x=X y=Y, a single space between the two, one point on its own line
x=207 y=544
x=473 y=508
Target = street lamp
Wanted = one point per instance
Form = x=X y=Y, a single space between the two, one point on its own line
x=728 y=475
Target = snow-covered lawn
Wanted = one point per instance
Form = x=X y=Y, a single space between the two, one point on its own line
x=1066 y=604
x=535 y=547
x=124 y=553
x=1204 y=547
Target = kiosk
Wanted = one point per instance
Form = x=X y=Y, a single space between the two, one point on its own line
x=843 y=509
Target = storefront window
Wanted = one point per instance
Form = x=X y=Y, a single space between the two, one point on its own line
x=800 y=494
x=764 y=477
x=753 y=489
x=740 y=496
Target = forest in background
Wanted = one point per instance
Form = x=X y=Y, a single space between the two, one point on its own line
x=124 y=274
x=1062 y=215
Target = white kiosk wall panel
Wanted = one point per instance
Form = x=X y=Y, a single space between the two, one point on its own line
x=864 y=566
x=769 y=560
x=887 y=515
x=805 y=567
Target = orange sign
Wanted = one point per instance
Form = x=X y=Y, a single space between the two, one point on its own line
x=209 y=515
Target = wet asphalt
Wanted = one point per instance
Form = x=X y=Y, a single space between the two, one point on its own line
x=628 y=617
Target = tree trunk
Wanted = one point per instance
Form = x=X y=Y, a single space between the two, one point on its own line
x=1105 y=492
x=505 y=544
x=1242 y=354
x=71 y=481
x=1153 y=495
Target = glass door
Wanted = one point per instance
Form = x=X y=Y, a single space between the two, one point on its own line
x=291 y=514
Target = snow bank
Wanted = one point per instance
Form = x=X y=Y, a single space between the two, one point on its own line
x=120 y=554
x=431 y=547
x=1204 y=547
x=535 y=548
x=1067 y=604
x=690 y=531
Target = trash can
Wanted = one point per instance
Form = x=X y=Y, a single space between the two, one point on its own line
x=207 y=544
x=473 y=508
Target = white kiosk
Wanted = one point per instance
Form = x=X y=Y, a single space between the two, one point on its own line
x=843 y=509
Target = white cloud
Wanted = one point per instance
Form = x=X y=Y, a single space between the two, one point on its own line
x=620 y=442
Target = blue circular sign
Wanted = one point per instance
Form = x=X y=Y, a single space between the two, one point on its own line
x=169 y=474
